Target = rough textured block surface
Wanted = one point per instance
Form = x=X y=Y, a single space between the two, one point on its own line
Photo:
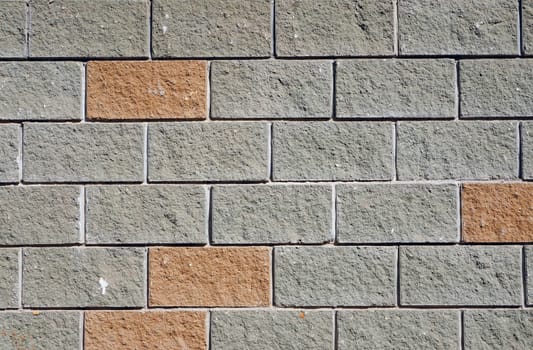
x=41 y=90
x=334 y=28
x=147 y=90
x=157 y=330
x=271 y=89
x=83 y=152
x=396 y=89
x=527 y=26
x=271 y=329
x=208 y=152
x=339 y=276
x=457 y=27
x=39 y=215
x=211 y=28
x=9 y=153
x=460 y=275
x=393 y=329
x=528 y=250
x=9 y=279
x=396 y=213
x=332 y=151
x=445 y=150
x=12 y=28
x=209 y=276
x=527 y=150
x=496 y=88
x=97 y=28
x=84 y=277
x=271 y=214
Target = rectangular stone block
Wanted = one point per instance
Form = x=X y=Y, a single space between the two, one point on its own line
x=460 y=275
x=208 y=152
x=457 y=27
x=389 y=88
x=88 y=152
x=475 y=150
x=32 y=215
x=271 y=214
x=41 y=90
x=97 y=28
x=397 y=329
x=527 y=150
x=9 y=279
x=334 y=276
x=146 y=214
x=496 y=88
x=271 y=89
x=271 y=329
x=397 y=213
x=40 y=330
x=334 y=28
x=13 y=28
x=332 y=151
x=211 y=28
x=528 y=251
x=9 y=153
x=527 y=26
x=84 y=277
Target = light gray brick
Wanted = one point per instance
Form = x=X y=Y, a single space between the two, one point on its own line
x=496 y=88
x=396 y=213
x=381 y=88
x=527 y=26
x=146 y=214
x=271 y=89
x=9 y=280
x=271 y=329
x=208 y=152
x=474 y=150
x=457 y=27
x=13 y=28
x=75 y=276
x=332 y=151
x=9 y=153
x=394 y=329
x=39 y=215
x=498 y=329
x=211 y=28
x=271 y=214
x=41 y=90
x=527 y=150
x=460 y=275
x=529 y=274
x=58 y=330
x=334 y=276
x=96 y=28
x=334 y=28
x=90 y=152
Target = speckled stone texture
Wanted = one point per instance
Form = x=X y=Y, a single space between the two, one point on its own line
x=9 y=280
x=528 y=252
x=527 y=150
x=9 y=153
x=12 y=28
x=527 y=26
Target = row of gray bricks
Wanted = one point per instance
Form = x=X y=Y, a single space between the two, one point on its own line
x=303 y=276
x=235 y=28
x=314 y=329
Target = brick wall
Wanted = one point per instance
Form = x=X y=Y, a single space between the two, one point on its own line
x=257 y=174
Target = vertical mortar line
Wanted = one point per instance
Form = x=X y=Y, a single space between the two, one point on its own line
x=150 y=21
x=461 y=330
x=20 y=159
x=520 y=30
x=395 y=151
x=272 y=276
x=82 y=330
x=459 y=204
x=208 y=91
x=145 y=154
x=83 y=204
x=524 y=276
x=395 y=28
x=146 y=277
x=209 y=213
x=457 y=91
x=84 y=93
x=273 y=28
x=519 y=147
x=208 y=328
x=397 y=286
x=335 y=333
x=270 y=155
x=333 y=213
x=333 y=103
x=20 y=276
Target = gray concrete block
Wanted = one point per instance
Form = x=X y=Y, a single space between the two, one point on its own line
x=271 y=329
x=211 y=28
x=334 y=276
x=460 y=275
x=90 y=152
x=527 y=150
x=398 y=329
x=9 y=153
x=208 y=152
x=332 y=151
x=84 y=277
x=334 y=28
x=39 y=215
x=146 y=214
x=271 y=214
x=41 y=90
x=527 y=26
x=271 y=89
x=13 y=28
x=397 y=213
x=476 y=150
x=9 y=279
x=529 y=275
x=96 y=28
x=391 y=88
x=457 y=27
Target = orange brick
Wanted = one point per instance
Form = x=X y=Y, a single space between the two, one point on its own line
x=209 y=276
x=145 y=330
x=146 y=90
x=497 y=212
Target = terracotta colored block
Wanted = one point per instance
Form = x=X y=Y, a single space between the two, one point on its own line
x=120 y=90
x=209 y=276
x=145 y=330
x=497 y=212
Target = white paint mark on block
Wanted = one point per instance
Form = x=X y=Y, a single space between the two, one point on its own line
x=103 y=285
